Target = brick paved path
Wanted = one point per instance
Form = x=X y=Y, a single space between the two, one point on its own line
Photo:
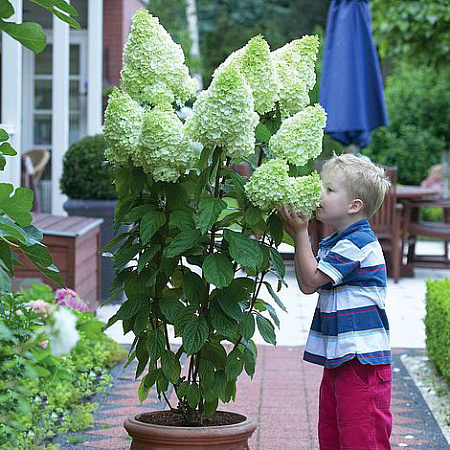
x=282 y=398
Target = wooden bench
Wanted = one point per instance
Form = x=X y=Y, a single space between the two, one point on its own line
x=74 y=245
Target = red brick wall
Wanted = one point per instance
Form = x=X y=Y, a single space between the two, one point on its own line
x=117 y=16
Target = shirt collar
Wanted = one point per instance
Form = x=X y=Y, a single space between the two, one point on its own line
x=332 y=240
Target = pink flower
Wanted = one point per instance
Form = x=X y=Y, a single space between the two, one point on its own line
x=38 y=306
x=19 y=312
x=44 y=344
x=69 y=298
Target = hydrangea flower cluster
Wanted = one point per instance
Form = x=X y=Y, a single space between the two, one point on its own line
x=153 y=64
x=306 y=192
x=255 y=62
x=69 y=298
x=164 y=148
x=299 y=138
x=269 y=185
x=295 y=63
x=224 y=114
x=122 y=127
x=38 y=306
x=62 y=332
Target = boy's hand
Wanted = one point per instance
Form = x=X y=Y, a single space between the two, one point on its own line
x=293 y=222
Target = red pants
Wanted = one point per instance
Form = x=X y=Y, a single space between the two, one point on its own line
x=354 y=407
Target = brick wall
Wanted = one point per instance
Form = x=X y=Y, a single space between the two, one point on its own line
x=117 y=16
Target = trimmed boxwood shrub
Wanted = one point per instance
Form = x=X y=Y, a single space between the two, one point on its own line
x=437 y=324
x=85 y=172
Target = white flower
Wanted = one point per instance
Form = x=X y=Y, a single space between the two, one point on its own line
x=306 y=192
x=62 y=332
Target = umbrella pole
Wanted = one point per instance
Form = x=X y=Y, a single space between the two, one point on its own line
x=352 y=148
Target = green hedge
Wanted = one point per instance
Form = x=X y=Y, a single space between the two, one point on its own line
x=437 y=324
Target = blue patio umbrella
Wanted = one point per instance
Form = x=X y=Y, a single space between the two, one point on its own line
x=351 y=89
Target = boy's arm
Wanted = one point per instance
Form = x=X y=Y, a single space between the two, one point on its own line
x=309 y=277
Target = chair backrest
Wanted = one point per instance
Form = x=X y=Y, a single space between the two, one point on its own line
x=382 y=222
x=40 y=159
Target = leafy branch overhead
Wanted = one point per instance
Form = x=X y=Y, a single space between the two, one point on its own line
x=30 y=34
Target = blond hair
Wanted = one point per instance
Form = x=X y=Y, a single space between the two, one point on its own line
x=364 y=180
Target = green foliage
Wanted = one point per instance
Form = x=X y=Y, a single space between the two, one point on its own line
x=30 y=34
x=417 y=100
x=401 y=29
x=42 y=395
x=85 y=174
x=437 y=324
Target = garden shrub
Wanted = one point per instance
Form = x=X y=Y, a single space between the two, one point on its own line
x=437 y=324
x=417 y=100
x=85 y=175
x=42 y=395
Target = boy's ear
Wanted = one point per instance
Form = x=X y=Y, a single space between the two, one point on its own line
x=355 y=206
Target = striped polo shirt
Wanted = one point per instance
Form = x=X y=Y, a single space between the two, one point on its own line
x=350 y=318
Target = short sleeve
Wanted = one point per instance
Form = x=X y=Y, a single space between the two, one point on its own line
x=344 y=258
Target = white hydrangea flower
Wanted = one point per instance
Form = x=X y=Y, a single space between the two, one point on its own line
x=153 y=64
x=306 y=192
x=62 y=331
x=224 y=115
x=164 y=148
x=295 y=63
x=122 y=127
x=299 y=138
x=255 y=62
x=269 y=185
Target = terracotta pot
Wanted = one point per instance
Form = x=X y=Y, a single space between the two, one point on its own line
x=160 y=437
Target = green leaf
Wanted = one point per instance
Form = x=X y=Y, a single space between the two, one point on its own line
x=218 y=270
x=155 y=344
x=143 y=389
x=238 y=183
x=5 y=281
x=214 y=352
x=209 y=210
x=223 y=324
x=277 y=263
x=249 y=362
x=4 y=136
x=9 y=229
x=275 y=296
x=272 y=312
x=150 y=224
x=182 y=242
x=252 y=215
x=195 y=335
x=142 y=320
x=135 y=214
x=182 y=318
x=235 y=364
x=52 y=273
x=244 y=250
x=220 y=382
x=230 y=218
x=276 y=228
x=262 y=133
x=182 y=220
x=147 y=256
x=6 y=9
x=247 y=326
x=230 y=306
x=170 y=309
x=125 y=255
x=128 y=309
x=170 y=366
x=7 y=150
x=194 y=288
x=18 y=206
x=29 y=34
x=210 y=407
x=6 y=256
x=193 y=395
x=206 y=373
x=266 y=329
x=38 y=254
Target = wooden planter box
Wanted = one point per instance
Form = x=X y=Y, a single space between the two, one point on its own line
x=74 y=245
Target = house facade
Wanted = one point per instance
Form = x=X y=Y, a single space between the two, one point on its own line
x=51 y=99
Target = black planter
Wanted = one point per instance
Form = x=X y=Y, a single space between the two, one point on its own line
x=103 y=209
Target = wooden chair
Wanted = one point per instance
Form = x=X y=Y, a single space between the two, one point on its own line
x=33 y=166
x=386 y=223
x=438 y=230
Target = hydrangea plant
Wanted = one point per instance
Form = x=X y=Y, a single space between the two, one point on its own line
x=202 y=239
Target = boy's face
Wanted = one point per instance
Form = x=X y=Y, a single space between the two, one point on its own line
x=335 y=207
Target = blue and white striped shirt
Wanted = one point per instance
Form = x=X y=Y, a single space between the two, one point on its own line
x=350 y=319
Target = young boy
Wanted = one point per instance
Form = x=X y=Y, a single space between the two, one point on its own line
x=349 y=334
